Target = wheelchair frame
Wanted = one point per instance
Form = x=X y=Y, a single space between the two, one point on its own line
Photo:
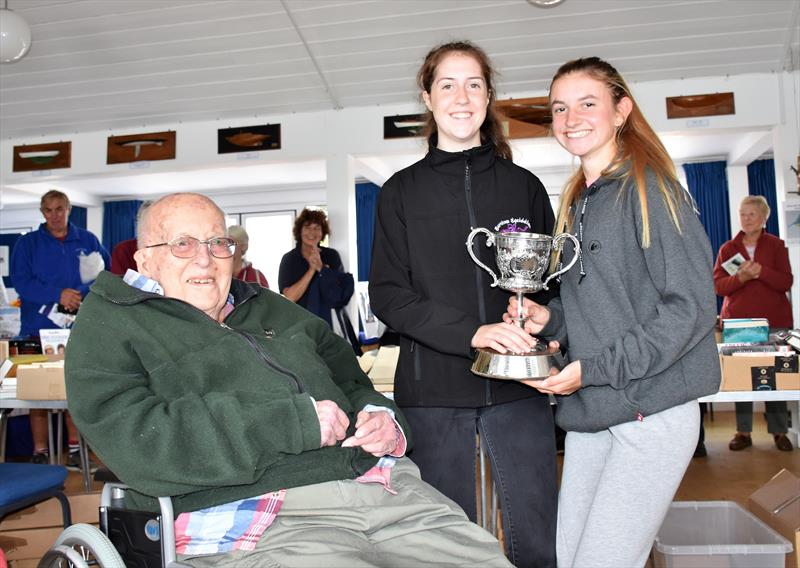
x=81 y=542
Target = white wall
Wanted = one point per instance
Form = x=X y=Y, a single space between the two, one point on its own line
x=786 y=149
x=345 y=139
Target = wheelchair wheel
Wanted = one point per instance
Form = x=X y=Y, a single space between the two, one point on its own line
x=81 y=546
x=60 y=556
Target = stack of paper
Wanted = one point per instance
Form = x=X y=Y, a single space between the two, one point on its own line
x=382 y=372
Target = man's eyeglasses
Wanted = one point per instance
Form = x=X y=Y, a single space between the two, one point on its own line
x=187 y=247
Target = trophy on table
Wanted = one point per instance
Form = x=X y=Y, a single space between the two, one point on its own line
x=522 y=259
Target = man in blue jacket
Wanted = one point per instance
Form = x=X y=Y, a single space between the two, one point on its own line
x=52 y=269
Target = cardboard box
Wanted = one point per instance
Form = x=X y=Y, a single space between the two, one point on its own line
x=760 y=372
x=28 y=544
x=47 y=514
x=777 y=503
x=41 y=381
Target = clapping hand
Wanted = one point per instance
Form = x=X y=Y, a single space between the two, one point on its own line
x=314 y=260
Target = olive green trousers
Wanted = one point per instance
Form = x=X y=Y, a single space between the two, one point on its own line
x=352 y=524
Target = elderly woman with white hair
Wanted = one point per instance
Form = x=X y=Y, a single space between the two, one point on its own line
x=757 y=290
x=243 y=269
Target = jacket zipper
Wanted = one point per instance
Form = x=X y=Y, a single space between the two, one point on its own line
x=478 y=272
x=268 y=361
x=417 y=361
x=266 y=358
x=247 y=337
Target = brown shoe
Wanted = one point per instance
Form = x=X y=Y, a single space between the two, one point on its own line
x=783 y=443
x=740 y=442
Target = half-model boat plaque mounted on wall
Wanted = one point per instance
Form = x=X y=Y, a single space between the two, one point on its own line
x=403 y=126
x=525 y=118
x=141 y=147
x=249 y=138
x=33 y=157
x=690 y=106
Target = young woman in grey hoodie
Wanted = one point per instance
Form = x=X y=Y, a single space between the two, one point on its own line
x=636 y=318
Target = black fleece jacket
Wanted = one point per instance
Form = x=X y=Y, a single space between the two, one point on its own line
x=424 y=285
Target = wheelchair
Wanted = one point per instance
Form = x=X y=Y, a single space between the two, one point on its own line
x=126 y=538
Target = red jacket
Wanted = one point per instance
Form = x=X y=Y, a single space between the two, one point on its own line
x=122 y=257
x=250 y=274
x=763 y=297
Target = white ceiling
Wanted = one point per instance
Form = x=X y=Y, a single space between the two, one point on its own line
x=106 y=64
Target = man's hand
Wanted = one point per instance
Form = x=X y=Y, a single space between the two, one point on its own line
x=375 y=433
x=70 y=299
x=536 y=316
x=565 y=382
x=333 y=422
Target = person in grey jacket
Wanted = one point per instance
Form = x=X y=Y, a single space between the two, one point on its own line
x=636 y=316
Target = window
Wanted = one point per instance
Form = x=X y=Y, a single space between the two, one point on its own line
x=270 y=235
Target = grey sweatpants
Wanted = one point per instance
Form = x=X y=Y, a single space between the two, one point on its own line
x=617 y=485
x=350 y=524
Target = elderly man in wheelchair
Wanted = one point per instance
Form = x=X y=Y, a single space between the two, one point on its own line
x=249 y=415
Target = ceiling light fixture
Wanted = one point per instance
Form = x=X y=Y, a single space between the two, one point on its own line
x=15 y=36
x=545 y=3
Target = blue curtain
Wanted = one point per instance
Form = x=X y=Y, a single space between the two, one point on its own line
x=708 y=184
x=366 y=201
x=119 y=222
x=761 y=181
x=78 y=216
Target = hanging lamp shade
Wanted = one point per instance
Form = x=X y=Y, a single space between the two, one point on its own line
x=15 y=36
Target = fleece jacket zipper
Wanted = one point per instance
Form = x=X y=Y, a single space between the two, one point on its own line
x=252 y=343
x=478 y=272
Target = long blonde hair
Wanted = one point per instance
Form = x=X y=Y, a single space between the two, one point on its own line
x=637 y=145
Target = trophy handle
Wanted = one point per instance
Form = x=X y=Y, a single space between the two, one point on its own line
x=558 y=243
x=489 y=242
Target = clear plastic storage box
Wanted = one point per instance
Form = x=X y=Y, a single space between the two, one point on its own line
x=717 y=534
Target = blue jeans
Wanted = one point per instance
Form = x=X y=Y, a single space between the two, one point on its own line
x=520 y=440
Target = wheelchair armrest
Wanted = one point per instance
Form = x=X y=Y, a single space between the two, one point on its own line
x=112 y=494
x=167 y=531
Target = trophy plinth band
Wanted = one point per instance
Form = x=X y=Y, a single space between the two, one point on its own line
x=514 y=367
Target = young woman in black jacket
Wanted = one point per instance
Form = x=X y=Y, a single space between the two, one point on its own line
x=424 y=285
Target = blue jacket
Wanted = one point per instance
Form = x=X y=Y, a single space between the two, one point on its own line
x=330 y=289
x=42 y=266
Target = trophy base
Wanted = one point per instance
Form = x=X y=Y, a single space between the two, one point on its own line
x=513 y=367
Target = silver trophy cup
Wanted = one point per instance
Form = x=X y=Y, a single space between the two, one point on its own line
x=523 y=259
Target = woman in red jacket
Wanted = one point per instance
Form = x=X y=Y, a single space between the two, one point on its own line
x=242 y=269
x=757 y=290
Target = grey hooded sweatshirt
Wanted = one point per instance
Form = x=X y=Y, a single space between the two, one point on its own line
x=640 y=320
